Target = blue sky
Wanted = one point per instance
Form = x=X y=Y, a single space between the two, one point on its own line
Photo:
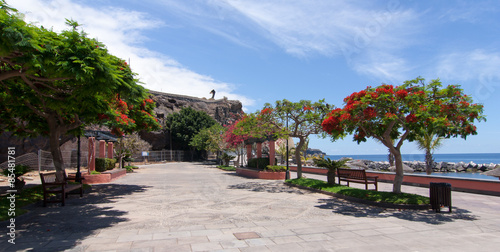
x=260 y=51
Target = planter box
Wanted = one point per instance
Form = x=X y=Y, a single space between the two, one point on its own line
x=250 y=173
x=104 y=177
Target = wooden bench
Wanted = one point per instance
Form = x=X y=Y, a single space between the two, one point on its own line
x=50 y=185
x=356 y=176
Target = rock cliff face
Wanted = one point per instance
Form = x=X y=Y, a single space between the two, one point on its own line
x=222 y=110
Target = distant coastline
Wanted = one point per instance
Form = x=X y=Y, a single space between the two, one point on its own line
x=477 y=158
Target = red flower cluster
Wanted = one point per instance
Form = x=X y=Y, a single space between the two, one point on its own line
x=102 y=116
x=345 y=117
x=146 y=101
x=308 y=108
x=401 y=94
x=385 y=89
x=470 y=129
x=124 y=119
x=464 y=104
x=369 y=113
x=266 y=111
x=356 y=96
x=390 y=115
x=411 y=118
x=360 y=136
x=332 y=121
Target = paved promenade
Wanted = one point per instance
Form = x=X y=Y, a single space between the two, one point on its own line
x=195 y=207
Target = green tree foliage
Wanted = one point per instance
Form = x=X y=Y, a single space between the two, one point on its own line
x=210 y=139
x=401 y=113
x=53 y=84
x=305 y=118
x=185 y=124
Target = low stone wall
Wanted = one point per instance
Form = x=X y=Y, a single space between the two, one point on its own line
x=250 y=173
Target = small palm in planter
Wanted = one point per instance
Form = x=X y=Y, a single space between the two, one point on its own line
x=226 y=157
x=331 y=165
x=16 y=173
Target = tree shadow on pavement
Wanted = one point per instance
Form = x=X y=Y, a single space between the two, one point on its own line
x=345 y=207
x=272 y=187
x=57 y=228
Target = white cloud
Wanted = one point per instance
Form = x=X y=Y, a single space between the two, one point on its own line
x=121 y=31
x=479 y=67
x=369 y=37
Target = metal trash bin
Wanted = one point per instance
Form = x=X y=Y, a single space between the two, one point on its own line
x=440 y=196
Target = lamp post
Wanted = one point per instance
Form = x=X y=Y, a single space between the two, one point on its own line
x=287 y=174
x=78 y=175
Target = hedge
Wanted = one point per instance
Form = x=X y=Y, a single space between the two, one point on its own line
x=103 y=164
x=260 y=163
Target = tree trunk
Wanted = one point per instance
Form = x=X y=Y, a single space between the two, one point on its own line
x=398 y=179
x=330 y=177
x=429 y=162
x=55 y=150
x=297 y=157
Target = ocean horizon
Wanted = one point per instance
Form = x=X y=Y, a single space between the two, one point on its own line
x=478 y=158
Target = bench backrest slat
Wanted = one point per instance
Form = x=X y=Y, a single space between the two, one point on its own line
x=351 y=173
x=50 y=177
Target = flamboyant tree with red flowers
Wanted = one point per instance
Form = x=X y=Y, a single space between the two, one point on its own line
x=124 y=119
x=54 y=84
x=234 y=141
x=395 y=114
x=304 y=119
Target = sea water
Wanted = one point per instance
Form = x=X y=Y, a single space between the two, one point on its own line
x=478 y=158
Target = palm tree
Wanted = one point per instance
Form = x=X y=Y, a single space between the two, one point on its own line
x=331 y=165
x=429 y=142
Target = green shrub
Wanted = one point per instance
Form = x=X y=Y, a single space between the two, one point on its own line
x=226 y=168
x=19 y=170
x=276 y=168
x=260 y=163
x=94 y=173
x=100 y=164
x=103 y=164
x=110 y=163
x=129 y=169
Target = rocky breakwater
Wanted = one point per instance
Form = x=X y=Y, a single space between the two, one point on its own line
x=419 y=166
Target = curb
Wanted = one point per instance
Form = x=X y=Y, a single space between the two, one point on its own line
x=363 y=201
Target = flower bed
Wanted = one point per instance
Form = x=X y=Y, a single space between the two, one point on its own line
x=260 y=174
x=104 y=177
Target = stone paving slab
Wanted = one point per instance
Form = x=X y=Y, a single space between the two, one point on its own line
x=195 y=207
